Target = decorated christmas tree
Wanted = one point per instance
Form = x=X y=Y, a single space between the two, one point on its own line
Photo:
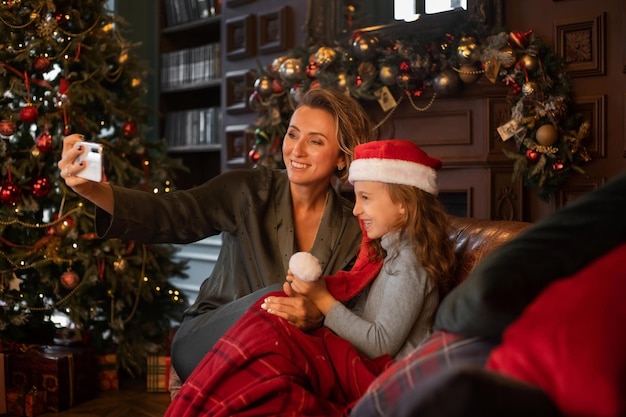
x=65 y=67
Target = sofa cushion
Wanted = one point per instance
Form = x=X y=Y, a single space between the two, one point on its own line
x=442 y=351
x=571 y=341
x=510 y=277
x=472 y=391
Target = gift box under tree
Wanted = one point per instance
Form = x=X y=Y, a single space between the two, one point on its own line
x=27 y=402
x=108 y=372
x=158 y=373
x=66 y=374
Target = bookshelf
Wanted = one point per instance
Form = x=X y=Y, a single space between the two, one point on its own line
x=190 y=78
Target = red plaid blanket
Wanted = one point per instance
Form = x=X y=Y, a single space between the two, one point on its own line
x=264 y=366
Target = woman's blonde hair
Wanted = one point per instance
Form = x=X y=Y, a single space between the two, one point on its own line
x=426 y=225
x=352 y=125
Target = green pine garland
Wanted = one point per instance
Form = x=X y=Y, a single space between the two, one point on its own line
x=430 y=63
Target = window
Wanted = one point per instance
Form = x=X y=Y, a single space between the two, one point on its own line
x=410 y=10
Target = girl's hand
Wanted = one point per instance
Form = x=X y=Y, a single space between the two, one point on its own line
x=295 y=308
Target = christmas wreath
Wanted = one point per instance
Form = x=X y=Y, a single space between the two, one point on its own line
x=548 y=138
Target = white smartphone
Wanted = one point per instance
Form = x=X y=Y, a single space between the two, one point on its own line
x=93 y=156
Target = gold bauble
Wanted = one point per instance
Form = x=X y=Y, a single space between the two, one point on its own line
x=530 y=62
x=469 y=73
x=546 y=135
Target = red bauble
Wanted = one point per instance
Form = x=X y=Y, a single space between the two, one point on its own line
x=532 y=156
x=558 y=165
x=130 y=129
x=29 y=114
x=63 y=227
x=520 y=39
x=45 y=142
x=7 y=128
x=10 y=193
x=69 y=279
x=41 y=187
x=254 y=156
x=41 y=64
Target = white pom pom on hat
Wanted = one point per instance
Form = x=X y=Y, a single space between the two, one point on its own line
x=305 y=266
x=395 y=161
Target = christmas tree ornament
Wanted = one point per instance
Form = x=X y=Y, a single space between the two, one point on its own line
x=468 y=51
x=325 y=56
x=254 y=102
x=29 y=114
x=342 y=80
x=447 y=82
x=263 y=86
x=69 y=279
x=312 y=69
x=520 y=39
x=41 y=64
x=253 y=156
x=277 y=85
x=276 y=63
x=10 y=193
x=129 y=129
x=291 y=70
x=469 y=73
x=41 y=186
x=120 y=265
x=365 y=46
x=367 y=70
x=529 y=89
x=387 y=74
x=546 y=135
x=558 y=165
x=62 y=227
x=530 y=62
x=532 y=155
x=44 y=142
x=7 y=128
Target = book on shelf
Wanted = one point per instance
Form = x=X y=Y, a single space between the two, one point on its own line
x=186 y=67
x=192 y=128
x=178 y=12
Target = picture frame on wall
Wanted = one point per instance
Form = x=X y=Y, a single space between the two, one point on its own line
x=276 y=30
x=240 y=32
x=581 y=44
x=239 y=86
x=239 y=142
x=593 y=110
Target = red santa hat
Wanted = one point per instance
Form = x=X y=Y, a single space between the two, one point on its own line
x=395 y=161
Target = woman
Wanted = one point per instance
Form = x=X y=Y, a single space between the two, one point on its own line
x=264 y=216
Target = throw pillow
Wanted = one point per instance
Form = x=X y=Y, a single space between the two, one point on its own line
x=571 y=343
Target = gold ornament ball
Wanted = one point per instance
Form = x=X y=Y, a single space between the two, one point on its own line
x=325 y=55
x=468 y=50
x=469 y=73
x=291 y=69
x=546 y=135
x=530 y=62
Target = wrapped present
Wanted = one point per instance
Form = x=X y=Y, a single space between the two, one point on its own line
x=108 y=376
x=3 y=387
x=158 y=373
x=66 y=374
x=26 y=402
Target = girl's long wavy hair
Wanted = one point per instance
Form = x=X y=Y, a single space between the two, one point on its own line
x=426 y=225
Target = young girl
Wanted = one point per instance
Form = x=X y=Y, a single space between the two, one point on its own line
x=264 y=365
x=395 y=185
